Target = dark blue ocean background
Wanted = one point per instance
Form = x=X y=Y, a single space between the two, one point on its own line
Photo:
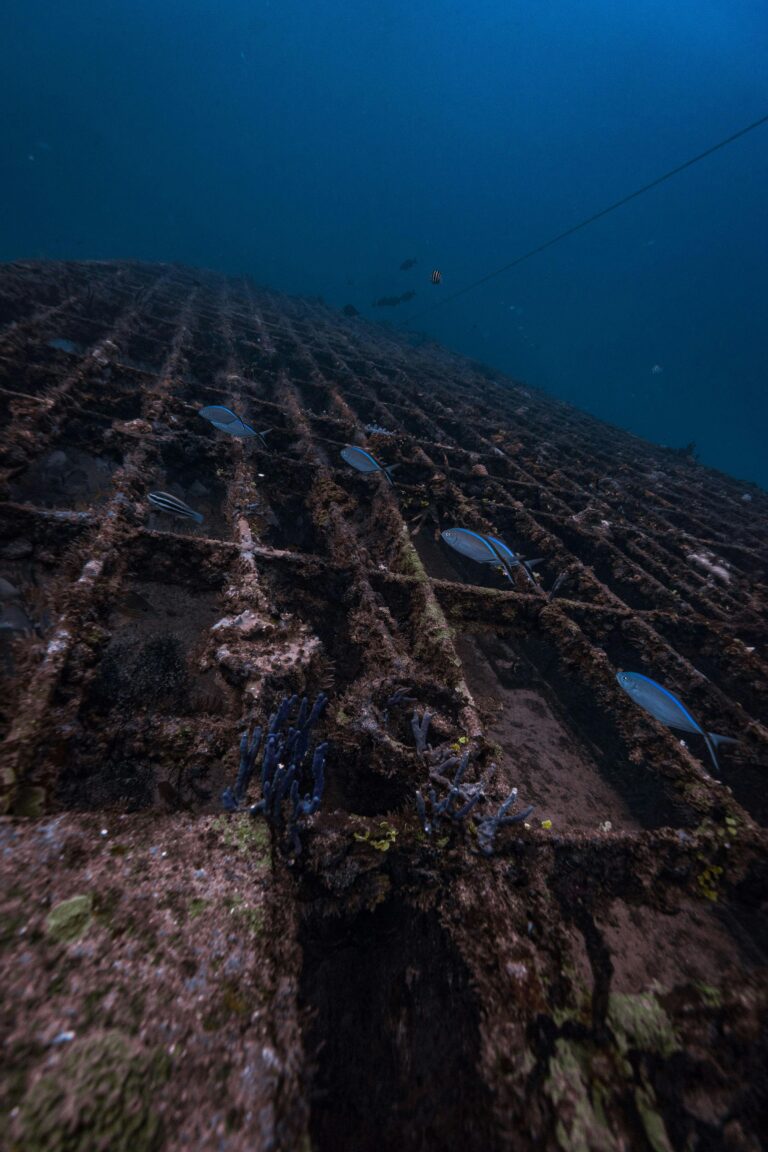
x=316 y=144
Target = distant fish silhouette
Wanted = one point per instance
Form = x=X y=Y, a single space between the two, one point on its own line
x=350 y=310
x=393 y=301
x=666 y=708
x=173 y=506
x=406 y=264
x=364 y=462
x=228 y=421
x=437 y=276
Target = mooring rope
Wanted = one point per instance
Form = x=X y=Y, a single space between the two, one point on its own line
x=584 y=223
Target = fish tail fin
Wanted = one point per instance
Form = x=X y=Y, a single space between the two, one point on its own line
x=718 y=740
x=388 y=473
x=538 y=560
x=199 y=517
x=713 y=741
x=527 y=565
x=711 y=749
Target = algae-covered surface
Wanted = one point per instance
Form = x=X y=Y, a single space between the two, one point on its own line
x=135 y=971
x=159 y=993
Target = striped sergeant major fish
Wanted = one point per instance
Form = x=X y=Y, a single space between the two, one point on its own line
x=488 y=550
x=165 y=502
x=363 y=461
x=437 y=276
x=228 y=421
x=667 y=709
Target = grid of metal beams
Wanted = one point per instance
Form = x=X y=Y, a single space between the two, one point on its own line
x=306 y=575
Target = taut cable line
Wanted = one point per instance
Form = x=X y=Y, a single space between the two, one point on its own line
x=589 y=220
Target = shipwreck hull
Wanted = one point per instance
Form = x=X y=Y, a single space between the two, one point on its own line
x=174 y=978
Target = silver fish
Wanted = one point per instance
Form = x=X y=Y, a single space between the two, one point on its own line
x=362 y=461
x=487 y=550
x=228 y=421
x=171 y=504
x=667 y=709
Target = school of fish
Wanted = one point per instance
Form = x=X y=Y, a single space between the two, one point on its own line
x=652 y=697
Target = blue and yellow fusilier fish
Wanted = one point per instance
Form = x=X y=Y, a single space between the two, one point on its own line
x=228 y=421
x=363 y=461
x=667 y=709
x=487 y=550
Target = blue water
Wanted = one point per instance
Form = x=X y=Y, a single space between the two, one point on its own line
x=316 y=145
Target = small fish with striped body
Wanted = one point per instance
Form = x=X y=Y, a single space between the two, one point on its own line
x=488 y=550
x=667 y=709
x=363 y=461
x=437 y=276
x=165 y=502
x=228 y=421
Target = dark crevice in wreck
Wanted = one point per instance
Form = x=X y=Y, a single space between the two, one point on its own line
x=363 y=785
x=391 y=1035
